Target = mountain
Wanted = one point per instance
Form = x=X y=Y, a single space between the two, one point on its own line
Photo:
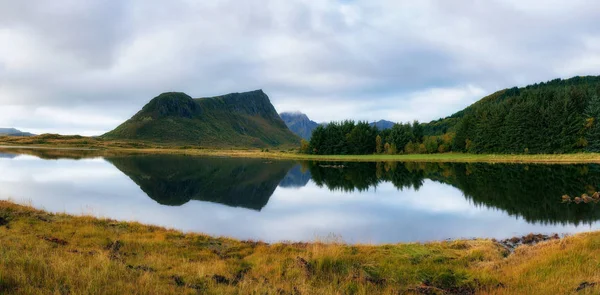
x=559 y=116
x=383 y=124
x=299 y=123
x=302 y=126
x=234 y=120
x=175 y=179
x=13 y=132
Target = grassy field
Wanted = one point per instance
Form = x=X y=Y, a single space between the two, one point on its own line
x=102 y=147
x=46 y=253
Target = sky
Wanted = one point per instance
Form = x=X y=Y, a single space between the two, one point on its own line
x=85 y=66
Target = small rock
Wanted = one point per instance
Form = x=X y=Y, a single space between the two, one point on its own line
x=585 y=285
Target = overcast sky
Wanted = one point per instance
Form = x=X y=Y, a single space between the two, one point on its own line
x=75 y=66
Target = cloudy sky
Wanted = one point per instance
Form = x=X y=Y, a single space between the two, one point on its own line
x=74 y=66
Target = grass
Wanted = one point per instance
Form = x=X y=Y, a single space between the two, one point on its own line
x=45 y=253
x=105 y=147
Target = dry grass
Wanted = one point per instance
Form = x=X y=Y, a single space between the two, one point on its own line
x=44 y=253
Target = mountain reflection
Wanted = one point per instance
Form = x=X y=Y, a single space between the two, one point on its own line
x=531 y=192
x=528 y=191
x=175 y=180
x=297 y=177
x=7 y=156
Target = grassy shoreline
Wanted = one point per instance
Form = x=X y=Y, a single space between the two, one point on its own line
x=102 y=147
x=121 y=149
x=44 y=253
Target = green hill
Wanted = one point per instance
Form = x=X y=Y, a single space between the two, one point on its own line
x=234 y=120
x=559 y=116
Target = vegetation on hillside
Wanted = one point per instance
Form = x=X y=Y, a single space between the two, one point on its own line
x=233 y=120
x=560 y=116
x=58 y=254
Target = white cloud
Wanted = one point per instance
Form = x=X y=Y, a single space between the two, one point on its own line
x=381 y=59
x=425 y=105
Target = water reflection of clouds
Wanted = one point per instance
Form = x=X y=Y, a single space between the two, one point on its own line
x=436 y=211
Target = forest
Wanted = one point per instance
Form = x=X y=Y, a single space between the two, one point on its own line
x=559 y=116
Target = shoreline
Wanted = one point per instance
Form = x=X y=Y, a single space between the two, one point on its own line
x=85 y=254
x=579 y=158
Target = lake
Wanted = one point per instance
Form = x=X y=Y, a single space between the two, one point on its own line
x=273 y=200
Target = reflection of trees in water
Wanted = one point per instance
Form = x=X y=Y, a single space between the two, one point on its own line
x=529 y=191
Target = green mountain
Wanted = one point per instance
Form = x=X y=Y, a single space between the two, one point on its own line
x=14 y=132
x=175 y=180
x=559 y=116
x=234 y=120
x=299 y=123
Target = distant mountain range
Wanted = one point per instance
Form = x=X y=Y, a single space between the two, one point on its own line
x=14 y=132
x=234 y=120
x=383 y=124
x=302 y=126
x=299 y=123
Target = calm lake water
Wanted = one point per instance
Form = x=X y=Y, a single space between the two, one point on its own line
x=304 y=201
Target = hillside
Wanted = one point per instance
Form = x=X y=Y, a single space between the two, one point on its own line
x=234 y=120
x=556 y=117
x=559 y=116
x=299 y=123
x=13 y=132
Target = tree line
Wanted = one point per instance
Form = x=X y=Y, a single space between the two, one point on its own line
x=360 y=138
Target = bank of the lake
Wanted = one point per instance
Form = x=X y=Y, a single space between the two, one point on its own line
x=129 y=148
x=57 y=253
